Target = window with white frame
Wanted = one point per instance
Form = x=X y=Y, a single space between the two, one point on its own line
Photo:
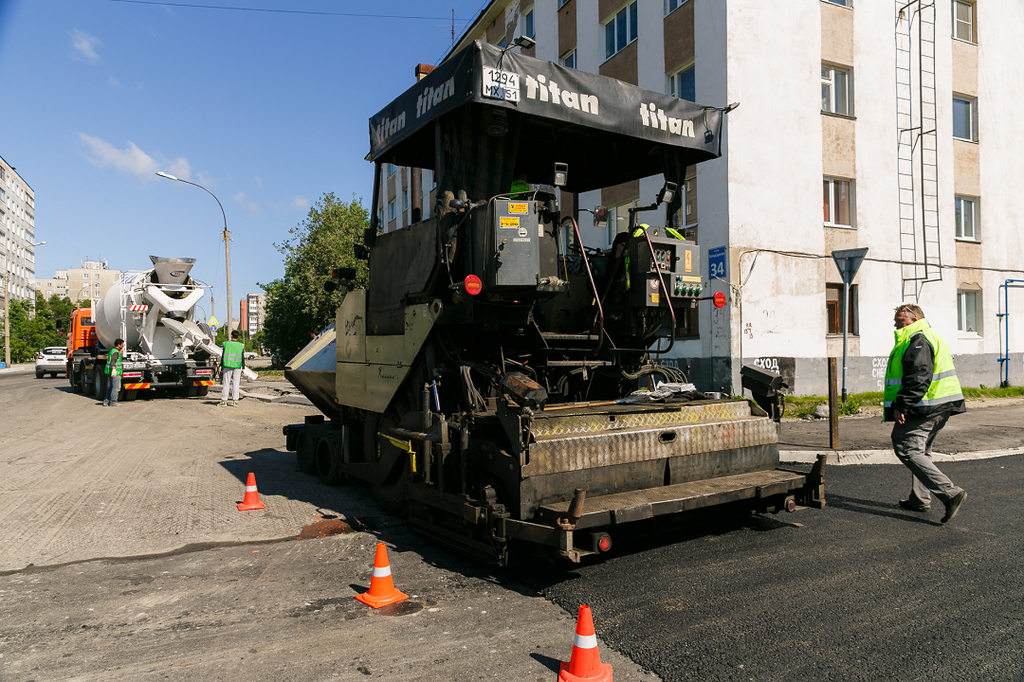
x=392 y=210
x=568 y=59
x=838 y=202
x=673 y=5
x=835 y=90
x=528 y=29
x=562 y=3
x=618 y=219
x=965 y=118
x=682 y=212
x=841 y=3
x=621 y=30
x=963 y=20
x=405 y=199
x=966 y=219
x=683 y=84
x=967 y=305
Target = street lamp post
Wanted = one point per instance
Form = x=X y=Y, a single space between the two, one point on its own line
x=7 y=305
x=227 y=247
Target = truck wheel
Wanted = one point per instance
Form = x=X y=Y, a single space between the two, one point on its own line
x=130 y=394
x=86 y=382
x=201 y=391
x=328 y=458
x=73 y=379
x=99 y=384
x=305 y=452
x=391 y=493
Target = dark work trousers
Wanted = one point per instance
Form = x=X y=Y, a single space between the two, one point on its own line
x=912 y=442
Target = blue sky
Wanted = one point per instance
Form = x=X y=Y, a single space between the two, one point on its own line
x=267 y=109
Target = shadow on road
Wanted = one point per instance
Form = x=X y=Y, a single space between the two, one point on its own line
x=876 y=508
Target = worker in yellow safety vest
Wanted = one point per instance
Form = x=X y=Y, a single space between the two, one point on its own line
x=921 y=392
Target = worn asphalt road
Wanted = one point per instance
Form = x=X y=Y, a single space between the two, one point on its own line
x=122 y=555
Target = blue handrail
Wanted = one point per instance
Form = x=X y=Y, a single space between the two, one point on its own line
x=1004 y=320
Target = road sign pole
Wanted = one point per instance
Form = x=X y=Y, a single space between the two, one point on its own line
x=848 y=261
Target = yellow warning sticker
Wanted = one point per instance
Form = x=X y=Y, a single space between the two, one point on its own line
x=689 y=261
x=518 y=208
x=509 y=222
x=655 y=298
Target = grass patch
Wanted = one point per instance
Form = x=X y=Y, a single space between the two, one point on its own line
x=799 y=406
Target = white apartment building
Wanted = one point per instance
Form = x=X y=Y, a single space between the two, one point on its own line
x=87 y=283
x=861 y=123
x=17 y=234
x=254 y=312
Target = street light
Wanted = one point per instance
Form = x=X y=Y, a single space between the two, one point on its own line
x=7 y=305
x=227 y=248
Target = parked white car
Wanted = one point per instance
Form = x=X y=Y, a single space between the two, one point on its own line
x=52 y=361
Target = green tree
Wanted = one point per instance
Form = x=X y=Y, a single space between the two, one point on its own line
x=298 y=306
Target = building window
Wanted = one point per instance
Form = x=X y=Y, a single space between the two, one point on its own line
x=683 y=84
x=837 y=202
x=682 y=212
x=835 y=91
x=562 y=3
x=841 y=3
x=528 y=24
x=621 y=30
x=965 y=115
x=966 y=219
x=569 y=59
x=405 y=199
x=967 y=304
x=834 y=309
x=618 y=219
x=391 y=169
x=392 y=210
x=673 y=5
x=963 y=20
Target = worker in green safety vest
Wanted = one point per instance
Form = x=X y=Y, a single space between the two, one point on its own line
x=232 y=362
x=113 y=370
x=921 y=392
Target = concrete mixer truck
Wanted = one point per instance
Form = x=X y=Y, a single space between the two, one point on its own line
x=165 y=347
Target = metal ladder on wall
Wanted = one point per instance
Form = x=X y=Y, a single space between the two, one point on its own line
x=917 y=145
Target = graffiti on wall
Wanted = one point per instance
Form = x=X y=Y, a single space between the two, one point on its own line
x=878 y=371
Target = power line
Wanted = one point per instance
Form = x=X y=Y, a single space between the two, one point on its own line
x=277 y=11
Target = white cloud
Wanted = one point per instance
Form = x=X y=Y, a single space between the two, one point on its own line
x=85 y=45
x=300 y=203
x=259 y=181
x=113 y=82
x=131 y=159
x=251 y=206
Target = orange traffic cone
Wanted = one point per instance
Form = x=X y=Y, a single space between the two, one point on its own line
x=382 y=587
x=252 y=498
x=585 y=662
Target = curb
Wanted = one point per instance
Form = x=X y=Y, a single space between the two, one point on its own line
x=849 y=457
